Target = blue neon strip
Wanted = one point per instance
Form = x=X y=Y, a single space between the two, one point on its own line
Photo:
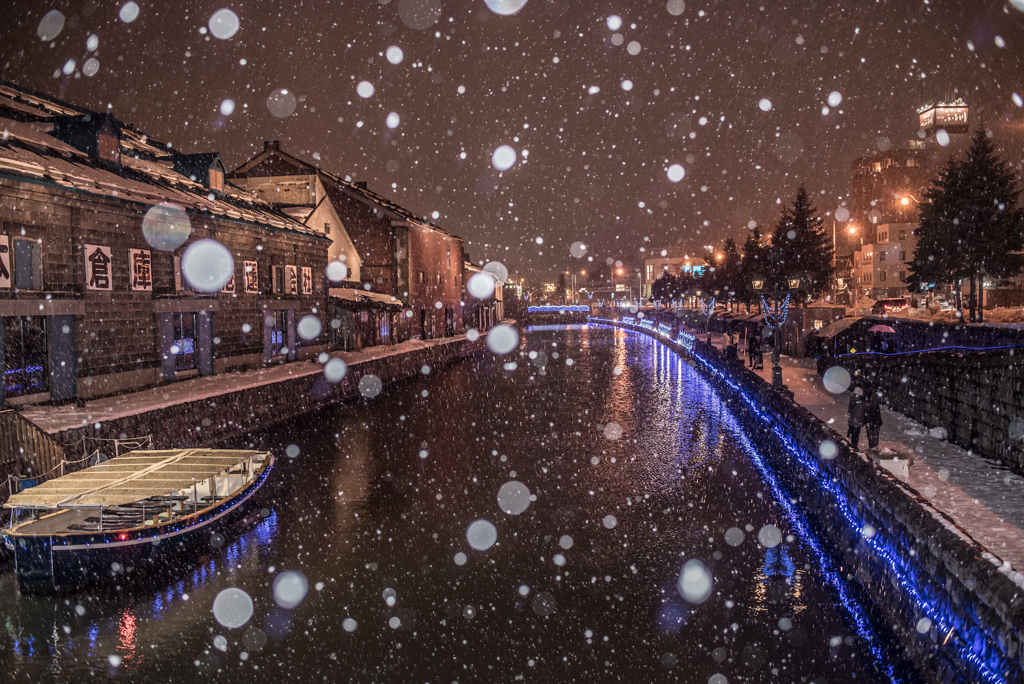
x=554 y=308
x=934 y=349
x=906 y=576
x=26 y=369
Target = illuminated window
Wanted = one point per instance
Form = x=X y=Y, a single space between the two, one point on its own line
x=26 y=370
x=184 y=348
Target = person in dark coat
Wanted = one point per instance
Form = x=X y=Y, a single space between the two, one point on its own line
x=873 y=416
x=855 y=418
x=754 y=351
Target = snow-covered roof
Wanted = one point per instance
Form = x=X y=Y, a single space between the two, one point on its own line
x=837 y=327
x=350 y=294
x=29 y=151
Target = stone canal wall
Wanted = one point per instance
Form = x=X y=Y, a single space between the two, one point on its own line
x=211 y=420
x=958 y=618
x=976 y=397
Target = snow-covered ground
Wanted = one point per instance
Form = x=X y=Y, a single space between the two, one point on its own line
x=54 y=419
x=983 y=497
x=999 y=314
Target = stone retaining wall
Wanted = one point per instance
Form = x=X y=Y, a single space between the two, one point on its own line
x=207 y=422
x=976 y=397
x=910 y=560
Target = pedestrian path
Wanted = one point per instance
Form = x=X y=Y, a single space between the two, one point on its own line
x=984 y=497
x=54 y=419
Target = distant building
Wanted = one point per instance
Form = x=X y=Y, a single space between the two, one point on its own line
x=482 y=314
x=673 y=264
x=881 y=268
x=99 y=293
x=887 y=188
x=404 y=274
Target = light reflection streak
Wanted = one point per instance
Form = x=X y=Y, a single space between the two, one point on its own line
x=128 y=632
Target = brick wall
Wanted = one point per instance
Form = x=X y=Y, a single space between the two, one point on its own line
x=371 y=233
x=119 y=332
x=438 y=256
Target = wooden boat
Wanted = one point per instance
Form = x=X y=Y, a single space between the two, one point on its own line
x=127 y=513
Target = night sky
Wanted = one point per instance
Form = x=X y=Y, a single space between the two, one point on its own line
x=592 y=157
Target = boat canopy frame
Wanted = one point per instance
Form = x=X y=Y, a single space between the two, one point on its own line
x=136 y=476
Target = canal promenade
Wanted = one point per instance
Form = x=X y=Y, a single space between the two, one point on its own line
x=204 y=410
x=984 y=497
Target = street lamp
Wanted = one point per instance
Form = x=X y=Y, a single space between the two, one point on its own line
x=775 y=316
x=707 y=310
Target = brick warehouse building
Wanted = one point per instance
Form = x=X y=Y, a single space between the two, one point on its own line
x=90 y=306
x=405 y=272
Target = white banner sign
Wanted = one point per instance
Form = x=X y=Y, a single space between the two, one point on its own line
x=227 y=266
x=307 y=280
x=5 y=263
x=142 y=269
x=98 y=271
x=291 y=280
x=251 y=277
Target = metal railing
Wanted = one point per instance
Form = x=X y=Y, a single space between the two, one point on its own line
x=25 y=450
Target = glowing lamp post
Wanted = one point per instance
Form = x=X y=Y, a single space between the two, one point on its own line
x=775 y=314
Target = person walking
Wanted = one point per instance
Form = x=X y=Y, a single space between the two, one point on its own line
x=855 y=417
x=754 y=350
x=873 y=416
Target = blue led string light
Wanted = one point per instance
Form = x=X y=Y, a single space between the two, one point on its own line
x=904 y=575
x=555 y=308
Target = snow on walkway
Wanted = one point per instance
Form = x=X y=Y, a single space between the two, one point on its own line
x=984 y=497
x=54 y=419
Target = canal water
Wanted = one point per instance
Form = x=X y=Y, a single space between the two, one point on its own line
x=652 y=545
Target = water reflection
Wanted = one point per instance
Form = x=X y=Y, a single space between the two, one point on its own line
x=374 y=512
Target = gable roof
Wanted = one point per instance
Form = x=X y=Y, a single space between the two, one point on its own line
x=273 y=161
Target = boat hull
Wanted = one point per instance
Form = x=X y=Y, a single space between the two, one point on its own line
x=52 y=563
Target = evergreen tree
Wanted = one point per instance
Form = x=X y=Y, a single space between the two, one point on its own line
x=730 y=270
x=754 y=263
x=800 y=248
x=664 y=288
x=992 y=222
x=939 y=256
x=970 y=224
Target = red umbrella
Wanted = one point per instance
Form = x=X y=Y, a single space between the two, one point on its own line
x=881 y=328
